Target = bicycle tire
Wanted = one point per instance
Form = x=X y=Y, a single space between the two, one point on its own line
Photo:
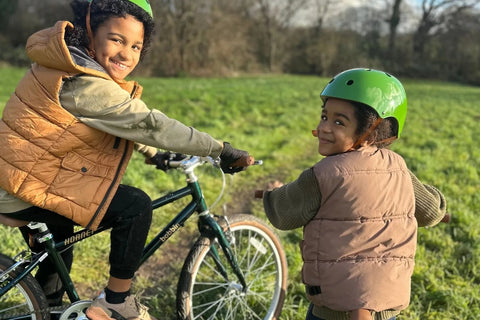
x=202 y=293
x=25 y=300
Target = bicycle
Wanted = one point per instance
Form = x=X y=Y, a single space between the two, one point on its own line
x=236 y=269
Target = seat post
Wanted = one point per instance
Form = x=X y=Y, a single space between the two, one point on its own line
x=45 y=237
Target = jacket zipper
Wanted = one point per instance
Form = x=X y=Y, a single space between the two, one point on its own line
x=134 y=91
x=116 y=144
x=115 y=178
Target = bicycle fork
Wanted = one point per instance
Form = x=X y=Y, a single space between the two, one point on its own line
x=227 y=250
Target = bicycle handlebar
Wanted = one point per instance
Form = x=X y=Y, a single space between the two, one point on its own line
x=188 y=161
x=191 y=161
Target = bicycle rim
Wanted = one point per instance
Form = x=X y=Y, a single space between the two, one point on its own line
x=24 y=300
x=204 y=293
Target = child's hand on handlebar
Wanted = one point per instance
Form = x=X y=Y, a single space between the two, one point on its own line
x=234 y=160
x=160 y=159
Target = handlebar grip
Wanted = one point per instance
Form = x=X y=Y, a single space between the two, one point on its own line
x=243 y=162
x=447 y=218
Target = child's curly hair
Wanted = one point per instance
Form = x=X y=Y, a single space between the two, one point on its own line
x=101 y=11
x=382 y=135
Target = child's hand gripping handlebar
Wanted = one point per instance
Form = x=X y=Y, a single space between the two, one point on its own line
x=246 y=162
x=234 y=160
x=167 y=160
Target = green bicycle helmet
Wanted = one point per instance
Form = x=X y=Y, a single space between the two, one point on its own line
x=377 y=89
x=144 y=4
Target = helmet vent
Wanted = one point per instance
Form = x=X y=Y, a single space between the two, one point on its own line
x=349 y=82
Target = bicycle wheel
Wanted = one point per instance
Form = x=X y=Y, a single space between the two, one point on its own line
x=25 y=300
x=204 y=293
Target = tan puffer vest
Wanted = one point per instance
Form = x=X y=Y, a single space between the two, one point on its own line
x=47 y=157
x=359 y=249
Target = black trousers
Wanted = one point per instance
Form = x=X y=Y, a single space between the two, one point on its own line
x=129 y=216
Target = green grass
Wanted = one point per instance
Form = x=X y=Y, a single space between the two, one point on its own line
x=271 y=117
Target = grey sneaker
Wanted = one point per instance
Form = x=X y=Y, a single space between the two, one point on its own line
x=131 y=309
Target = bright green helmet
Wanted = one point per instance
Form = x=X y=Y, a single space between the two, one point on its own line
x=145 y=5
x=377 y=89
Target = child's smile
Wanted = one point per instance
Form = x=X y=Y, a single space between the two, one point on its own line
x=337 y=127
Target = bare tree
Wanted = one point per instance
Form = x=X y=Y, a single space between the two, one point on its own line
x=201 y=37
x=315 y=55
x=393 y=21
x=434 y=13
x=460 y=59
x=321 y=9
x=181 y=38
x=229 y=49
x=274 y=18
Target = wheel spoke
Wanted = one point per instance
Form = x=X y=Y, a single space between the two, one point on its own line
x=210 y=287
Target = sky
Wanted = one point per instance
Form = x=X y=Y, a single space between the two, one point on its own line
x=308 y=15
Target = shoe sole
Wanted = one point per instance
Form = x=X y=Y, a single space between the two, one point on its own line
x=97 y=313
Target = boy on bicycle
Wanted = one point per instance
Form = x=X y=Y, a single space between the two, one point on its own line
x=68 y=132
x=360 y=205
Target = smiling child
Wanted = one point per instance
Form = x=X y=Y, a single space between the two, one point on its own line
x=67 y=135
x=360 y=205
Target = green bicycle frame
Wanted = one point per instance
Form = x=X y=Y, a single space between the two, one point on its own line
x=53 y=249
x=205 y=220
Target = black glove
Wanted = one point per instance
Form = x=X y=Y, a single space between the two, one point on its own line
x=160 y=159
x=228 y=156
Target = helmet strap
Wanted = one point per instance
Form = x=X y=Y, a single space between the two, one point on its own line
x=387 y=140
x=364 y=136
x=90 y=49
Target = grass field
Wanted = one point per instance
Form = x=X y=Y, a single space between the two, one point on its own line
x=272 y=117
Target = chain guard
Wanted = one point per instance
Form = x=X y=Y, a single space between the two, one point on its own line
x=76 y=311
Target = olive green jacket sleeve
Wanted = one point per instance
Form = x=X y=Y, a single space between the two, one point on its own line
x=430 y=203
x=295 y=204
x=103 y=105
